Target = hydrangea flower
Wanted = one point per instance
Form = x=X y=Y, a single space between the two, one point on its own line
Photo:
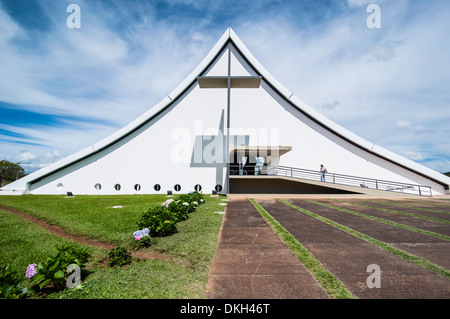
x=141 y=233
x=185 y=204
x=137 y=238
x=167 y=202
x=195 y=203
x=31 y=271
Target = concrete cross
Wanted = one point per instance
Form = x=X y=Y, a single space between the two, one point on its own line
x=228 y=82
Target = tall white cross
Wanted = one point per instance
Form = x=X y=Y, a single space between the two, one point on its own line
x=229 y=82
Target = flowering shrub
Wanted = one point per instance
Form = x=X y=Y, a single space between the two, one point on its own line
x=180 y=210
x=159 y=220
x=192 y=197
x=142 y=238
x=54 y=268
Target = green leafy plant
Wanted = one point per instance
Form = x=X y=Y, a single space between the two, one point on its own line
x=159 y=220
x=191 y=198
x=54 y=269
x=10 y=283
x=196 y=196
x=180 y=210
x=143 y=242
x=141 y=239
x=119 y=256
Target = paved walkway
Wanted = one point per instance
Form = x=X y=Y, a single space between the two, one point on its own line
x=252 y=262
x=348 y=257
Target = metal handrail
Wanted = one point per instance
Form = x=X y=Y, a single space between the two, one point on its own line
x=341 y=179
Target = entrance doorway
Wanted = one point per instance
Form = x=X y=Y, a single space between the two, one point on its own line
x=255 y=160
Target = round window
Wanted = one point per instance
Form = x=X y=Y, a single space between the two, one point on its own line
x=218 y=187
x=157 y=187
x=177 y=187
x=137 y=187
x=117 y=187
x=98 y=186
x=59 y=186
x=198 y=187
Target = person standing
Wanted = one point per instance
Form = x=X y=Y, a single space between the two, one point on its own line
x=322 y=172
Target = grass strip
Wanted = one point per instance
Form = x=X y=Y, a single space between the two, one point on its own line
x=329 y=282
x=421 y=231
x=406 y=206
x=390 y=249
x=398 y=212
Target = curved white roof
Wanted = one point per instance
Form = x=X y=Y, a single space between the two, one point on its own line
x=307 y=110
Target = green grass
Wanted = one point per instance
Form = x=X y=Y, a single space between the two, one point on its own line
x=389 y=222
x=395 y=251
x=329 y=282
x=90 y=216
x=183 y=273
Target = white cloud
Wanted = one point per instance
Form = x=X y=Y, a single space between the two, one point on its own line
x=25 y=157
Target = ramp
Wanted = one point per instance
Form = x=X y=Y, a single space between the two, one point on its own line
x=292 y=180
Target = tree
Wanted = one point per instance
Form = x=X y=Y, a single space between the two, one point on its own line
x=9 y=172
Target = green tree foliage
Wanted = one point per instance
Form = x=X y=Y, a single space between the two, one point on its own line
x=9 y=172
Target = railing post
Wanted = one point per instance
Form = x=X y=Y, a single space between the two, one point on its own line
x=291 y=171
x=420 y=192
x=376 y=183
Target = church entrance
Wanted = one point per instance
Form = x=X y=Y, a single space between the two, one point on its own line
x=255 y=160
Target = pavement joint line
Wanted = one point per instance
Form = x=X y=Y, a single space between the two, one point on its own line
x=337 y=289
x=390 y=249
x=389 y=222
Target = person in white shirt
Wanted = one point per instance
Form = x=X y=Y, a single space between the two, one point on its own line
x=322 y=172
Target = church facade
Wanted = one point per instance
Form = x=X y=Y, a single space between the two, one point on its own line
x=230 y=127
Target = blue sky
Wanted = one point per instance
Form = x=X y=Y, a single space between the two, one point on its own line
x=64 y=89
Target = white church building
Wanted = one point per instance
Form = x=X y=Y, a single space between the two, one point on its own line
x=230 y=127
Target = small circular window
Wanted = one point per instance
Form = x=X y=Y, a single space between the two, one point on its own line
x=117 y=187
x=218 y=187
x=157 y=187
x=177 y=187
x=59 y=186
x=198 y=187
x=137 y=187
x=98 y=186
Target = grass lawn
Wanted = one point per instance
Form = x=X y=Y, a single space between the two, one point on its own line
x=183 y=273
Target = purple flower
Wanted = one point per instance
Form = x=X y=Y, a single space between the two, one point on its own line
x=31 y=271
x=137 y=238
